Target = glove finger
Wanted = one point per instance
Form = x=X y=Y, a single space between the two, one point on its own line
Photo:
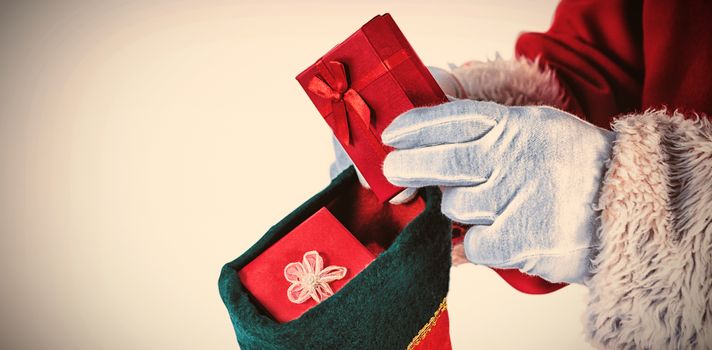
x=404 y=196
x=488 y=207
x=484 y=245
x=498 y=197
x=464 y=205
x=445 y=165
x=452 y=122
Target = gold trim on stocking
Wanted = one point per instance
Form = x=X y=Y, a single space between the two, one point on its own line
x=428 y=326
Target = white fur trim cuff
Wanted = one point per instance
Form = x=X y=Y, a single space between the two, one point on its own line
x=514 y=82
x=652 y=277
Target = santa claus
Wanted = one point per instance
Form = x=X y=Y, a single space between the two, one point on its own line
x=585 y=159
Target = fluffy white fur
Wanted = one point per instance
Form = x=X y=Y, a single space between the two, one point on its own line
x=515 y=82
x=653 y=273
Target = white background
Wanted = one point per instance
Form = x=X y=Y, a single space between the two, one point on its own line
x=144 y=145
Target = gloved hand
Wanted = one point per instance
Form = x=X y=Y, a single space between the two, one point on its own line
x=527 y=178
x=452 y=88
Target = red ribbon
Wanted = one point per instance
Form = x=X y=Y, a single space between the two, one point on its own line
x=332 y=84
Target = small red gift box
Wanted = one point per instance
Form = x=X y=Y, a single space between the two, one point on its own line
x=320 y=247
x=361 y=85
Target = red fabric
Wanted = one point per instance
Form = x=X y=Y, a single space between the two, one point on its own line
x=382 y=72
x=622 y=56
x=264 y=276
x=439 y=336
x=528 y=284
x=374 y=223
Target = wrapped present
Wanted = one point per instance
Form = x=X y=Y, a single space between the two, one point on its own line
x=402 y=290
x=306 y=266
x=361 y=85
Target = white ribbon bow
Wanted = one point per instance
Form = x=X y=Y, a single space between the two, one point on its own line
x=310 y=279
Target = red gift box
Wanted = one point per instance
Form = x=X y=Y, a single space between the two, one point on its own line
x=364 y=83
x=322 y=233
x=360 y=86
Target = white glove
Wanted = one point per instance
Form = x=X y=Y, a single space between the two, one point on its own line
x=527 y=178
x=450 y=85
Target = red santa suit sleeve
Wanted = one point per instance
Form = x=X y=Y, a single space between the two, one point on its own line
x=614 y=57
x=644 y=69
